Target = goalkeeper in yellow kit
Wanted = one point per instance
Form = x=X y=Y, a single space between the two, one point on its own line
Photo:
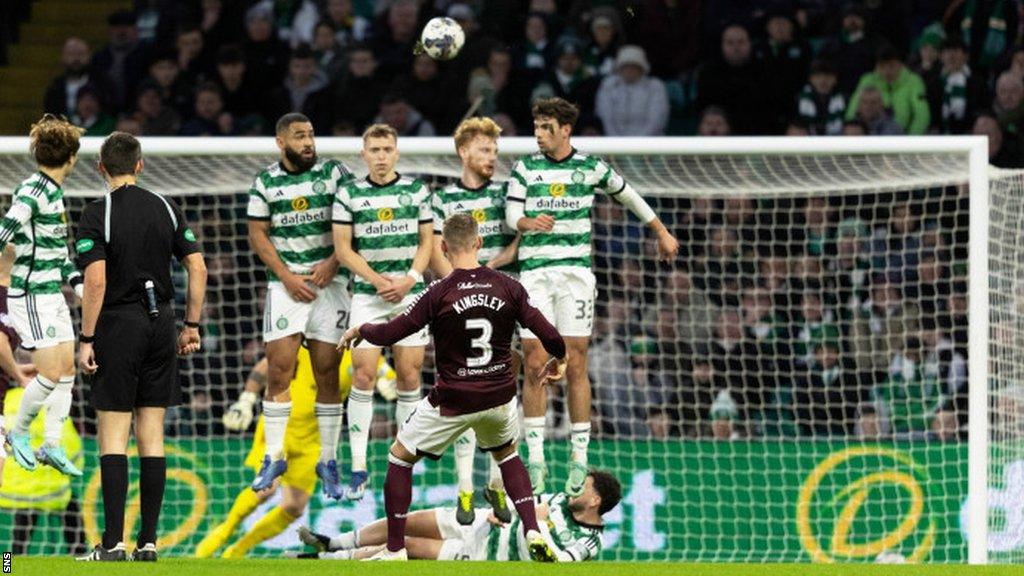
x=301 y=449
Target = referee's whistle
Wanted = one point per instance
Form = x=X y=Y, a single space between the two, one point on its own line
x=151 y=299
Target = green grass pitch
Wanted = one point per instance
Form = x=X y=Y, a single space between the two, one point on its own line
x=189 y=567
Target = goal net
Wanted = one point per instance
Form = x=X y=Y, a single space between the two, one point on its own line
x=794 y=388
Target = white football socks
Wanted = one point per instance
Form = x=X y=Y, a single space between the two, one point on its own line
x=58 y=407
x=360 y=417
x=580 y=439
x=345 y=541
x=275 y=422
x=328 y=419
x=464 y=447
x=32 y=400
x=407 y=402
x=533 y=427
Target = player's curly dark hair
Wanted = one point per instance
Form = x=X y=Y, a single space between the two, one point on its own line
x=608 y=488
x=563 y=111
x=54 y=140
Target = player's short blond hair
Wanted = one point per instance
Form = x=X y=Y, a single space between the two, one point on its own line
x=460 y=232
x=472 y=127
x=379 y=131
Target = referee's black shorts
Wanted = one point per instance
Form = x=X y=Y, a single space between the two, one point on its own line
x=137 y=358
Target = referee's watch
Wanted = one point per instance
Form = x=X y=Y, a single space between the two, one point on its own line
x=191 y=324
x=83 y=339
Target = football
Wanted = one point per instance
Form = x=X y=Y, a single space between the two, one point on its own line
x=442 y=38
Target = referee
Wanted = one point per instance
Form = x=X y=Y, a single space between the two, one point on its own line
x=125 y=244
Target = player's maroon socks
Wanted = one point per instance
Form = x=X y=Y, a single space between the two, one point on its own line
x=518 y=488
x=397 y=498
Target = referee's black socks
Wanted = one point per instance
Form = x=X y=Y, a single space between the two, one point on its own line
x=152 y=478
x=114 y=477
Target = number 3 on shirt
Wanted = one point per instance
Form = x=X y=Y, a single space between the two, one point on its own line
x=483 y=343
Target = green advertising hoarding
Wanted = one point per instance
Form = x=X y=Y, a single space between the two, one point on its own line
x=682 y=500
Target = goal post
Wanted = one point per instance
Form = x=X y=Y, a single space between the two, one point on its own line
x=978 y=353
x=770 y=488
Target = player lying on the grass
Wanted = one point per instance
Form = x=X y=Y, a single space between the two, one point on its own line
x=37 y=225
x=476 y=142
x=301 y=449
x=472 y=314
x=572 y=527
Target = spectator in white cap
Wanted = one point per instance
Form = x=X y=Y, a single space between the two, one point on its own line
x=631 y=102
x=605 y=39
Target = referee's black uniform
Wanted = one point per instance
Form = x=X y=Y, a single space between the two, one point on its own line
x=134 y=344
x=137 y=232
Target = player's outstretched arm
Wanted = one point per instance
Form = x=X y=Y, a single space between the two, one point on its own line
x=532 y=319
x=668 y=246
x=240 y=414
x=415 y=317
x=619 y=190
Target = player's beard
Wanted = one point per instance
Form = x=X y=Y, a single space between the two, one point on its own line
x=482 y=170
x=298 y=160
x=576 y=506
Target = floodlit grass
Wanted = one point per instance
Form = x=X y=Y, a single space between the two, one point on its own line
x=191 y=567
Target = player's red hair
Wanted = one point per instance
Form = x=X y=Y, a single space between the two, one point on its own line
x=470 y=128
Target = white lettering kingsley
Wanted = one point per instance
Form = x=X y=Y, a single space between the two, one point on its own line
x=474 y=300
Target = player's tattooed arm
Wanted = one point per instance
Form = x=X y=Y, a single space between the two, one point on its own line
x=239 y=415
x=257 y=379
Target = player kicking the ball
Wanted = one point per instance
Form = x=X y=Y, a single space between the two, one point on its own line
x=382 y=233
x=550 y=195
x=476 y=142
x=472 y=314
x=37 y=224
x=289 y=213
x=436 y=535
